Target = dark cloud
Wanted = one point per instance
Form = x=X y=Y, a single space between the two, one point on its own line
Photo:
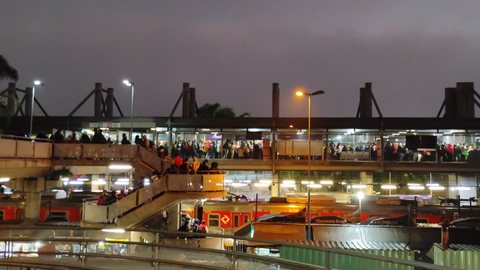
x=232 y=51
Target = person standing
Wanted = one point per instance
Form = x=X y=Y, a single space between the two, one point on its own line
x=195 y=164
x=125 y=139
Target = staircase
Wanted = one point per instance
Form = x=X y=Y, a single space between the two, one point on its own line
x=143 y=203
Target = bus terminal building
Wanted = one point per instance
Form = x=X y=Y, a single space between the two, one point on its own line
x=431 y=157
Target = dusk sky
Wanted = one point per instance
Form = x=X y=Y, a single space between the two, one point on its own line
x=232 y=52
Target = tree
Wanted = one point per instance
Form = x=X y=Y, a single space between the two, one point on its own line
x=215 y=110
x=7 y=71
x=209 y=110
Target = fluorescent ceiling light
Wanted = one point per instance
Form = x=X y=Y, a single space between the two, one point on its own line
x=288 y=182
x=113 y=230
x=314 y=186
x=75 y=183
x=416 y=187
x=359 y=186
x=287 y=185
x=326 y=182
x=388 y=187
x=460 y=188
x=119 y=167
x=4 y=179
x=261 y=185
x=304 y=182
x=437 y=188
x=239 y=184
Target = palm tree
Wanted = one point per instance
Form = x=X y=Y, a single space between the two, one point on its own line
x=215 y=110
x=7 y=71
x=209 y=110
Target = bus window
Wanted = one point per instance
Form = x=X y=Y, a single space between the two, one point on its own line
x=2 y=215
x=236 y=220
x=246 y=219
x=213 y=220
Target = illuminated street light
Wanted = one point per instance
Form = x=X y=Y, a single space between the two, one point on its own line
x=132 y=86
x=300 y=93
x=36 y=83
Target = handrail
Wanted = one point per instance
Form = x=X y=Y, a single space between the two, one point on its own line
x=235 y=238
x=107 y=256
x=43 y=265
x=296 y=265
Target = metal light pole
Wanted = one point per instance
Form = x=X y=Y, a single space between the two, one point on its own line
x=132 y=85
x=35 y=83
x=301 y=92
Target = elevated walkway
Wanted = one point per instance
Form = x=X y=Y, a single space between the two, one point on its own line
x=23 y=158
x=27 y=158
x=145 y=202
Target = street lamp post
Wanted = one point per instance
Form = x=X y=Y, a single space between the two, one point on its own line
x=301 y=92
x=132 y=85
x=35 y=83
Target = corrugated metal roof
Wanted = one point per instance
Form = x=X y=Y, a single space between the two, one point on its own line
x=358 y=245
x=465 y=247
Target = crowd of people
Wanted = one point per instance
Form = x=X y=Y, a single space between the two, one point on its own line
x=59 y=137
x=191 y=151
x=195 y=225
x=107 y=197
x=230 y=149
x=395 y=151
x=190 y=166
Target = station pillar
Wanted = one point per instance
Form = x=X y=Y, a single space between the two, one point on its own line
x=275 y=185
x=32 y=187
x=367 y=178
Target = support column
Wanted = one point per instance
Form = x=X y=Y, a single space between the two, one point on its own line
x=186 y=100
x=275 y=185
x=275 y=100
x=32 y=188
x=109 y=102
x=11 y=99
x=98 y=100
x=170 y=138
x=450 y=102
x=465 y=100
x=193 y=103
x=275 y=191
x=452 y=182
x=367 y=178
x=366 y=101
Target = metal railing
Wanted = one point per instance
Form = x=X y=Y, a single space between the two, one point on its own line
x=146 y=249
